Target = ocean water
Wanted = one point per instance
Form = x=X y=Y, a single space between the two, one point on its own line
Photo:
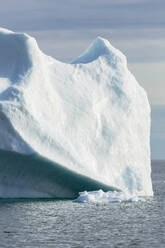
x=64 y=223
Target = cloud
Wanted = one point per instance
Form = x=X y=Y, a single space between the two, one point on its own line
x=73 y=14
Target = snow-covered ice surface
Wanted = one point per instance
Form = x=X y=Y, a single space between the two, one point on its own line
x=91 y=116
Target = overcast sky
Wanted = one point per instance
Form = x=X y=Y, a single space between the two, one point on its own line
x=64 y=29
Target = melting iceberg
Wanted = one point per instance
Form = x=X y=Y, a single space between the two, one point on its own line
x=89 y=117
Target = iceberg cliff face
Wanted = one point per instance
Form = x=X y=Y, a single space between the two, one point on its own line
x=90 y=116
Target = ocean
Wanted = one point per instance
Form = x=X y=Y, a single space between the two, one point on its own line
x=64 y=223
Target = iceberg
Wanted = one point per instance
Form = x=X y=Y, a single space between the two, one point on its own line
x=90 y=118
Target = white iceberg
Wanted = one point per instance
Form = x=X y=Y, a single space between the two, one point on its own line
x=90 y=116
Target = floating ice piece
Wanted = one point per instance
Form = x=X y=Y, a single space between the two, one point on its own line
x=106 y=197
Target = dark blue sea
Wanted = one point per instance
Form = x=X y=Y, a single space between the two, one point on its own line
x=64 y=223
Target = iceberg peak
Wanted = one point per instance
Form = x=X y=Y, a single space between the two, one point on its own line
x=102 y=44
x=16 y=54
x=101 y=47
x=5 y=30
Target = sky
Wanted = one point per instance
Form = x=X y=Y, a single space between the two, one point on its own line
x=65 y=28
